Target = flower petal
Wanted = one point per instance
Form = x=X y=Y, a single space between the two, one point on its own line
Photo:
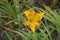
x=32 y=27
x=27 y=22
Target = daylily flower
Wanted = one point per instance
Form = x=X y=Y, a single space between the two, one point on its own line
x=33 y=19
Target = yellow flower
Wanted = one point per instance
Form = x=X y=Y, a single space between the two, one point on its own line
x=33 y=19
x=16 y=23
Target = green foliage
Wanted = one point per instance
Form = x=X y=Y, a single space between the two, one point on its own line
x=15 y=14
x=53 y=3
